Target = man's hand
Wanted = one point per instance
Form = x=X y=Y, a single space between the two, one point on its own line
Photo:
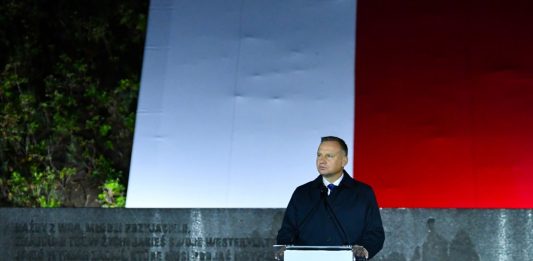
x=279 y=253
x=359 y=251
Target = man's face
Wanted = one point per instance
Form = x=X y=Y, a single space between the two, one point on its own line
x=330 y=159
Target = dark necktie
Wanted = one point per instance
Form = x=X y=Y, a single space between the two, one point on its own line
x=331 y=188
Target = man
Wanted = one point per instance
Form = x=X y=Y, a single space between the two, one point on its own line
x=347 y=213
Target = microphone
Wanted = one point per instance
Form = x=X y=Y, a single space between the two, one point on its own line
x=323 y=195
x=336 y=221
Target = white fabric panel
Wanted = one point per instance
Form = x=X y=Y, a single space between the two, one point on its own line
x=234 y=98
x=318 y=255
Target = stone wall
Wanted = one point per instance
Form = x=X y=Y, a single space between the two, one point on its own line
x=248 y=234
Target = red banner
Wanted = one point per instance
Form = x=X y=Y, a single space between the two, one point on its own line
x=444 y=103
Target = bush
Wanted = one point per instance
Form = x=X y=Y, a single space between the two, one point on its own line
x=68 y=92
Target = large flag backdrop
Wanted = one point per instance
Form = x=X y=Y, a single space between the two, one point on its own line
x=235 y=95
x=444 y=102
x=234 y=98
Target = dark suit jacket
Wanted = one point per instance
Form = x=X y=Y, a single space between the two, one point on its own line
x=308 y=221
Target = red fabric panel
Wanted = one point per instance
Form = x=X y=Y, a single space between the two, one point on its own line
x=444 y=102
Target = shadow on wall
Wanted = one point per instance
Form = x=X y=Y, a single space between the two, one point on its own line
x=437 y=248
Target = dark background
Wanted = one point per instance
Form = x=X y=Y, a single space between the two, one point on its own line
x=69 y=80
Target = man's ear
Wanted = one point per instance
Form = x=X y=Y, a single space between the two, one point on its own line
x=345 y=161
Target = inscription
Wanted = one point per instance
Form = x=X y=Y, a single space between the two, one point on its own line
x=130 y=241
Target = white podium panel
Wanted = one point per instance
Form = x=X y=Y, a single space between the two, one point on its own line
x=318 y=255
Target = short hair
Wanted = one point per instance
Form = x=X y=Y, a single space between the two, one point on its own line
x=338 y=140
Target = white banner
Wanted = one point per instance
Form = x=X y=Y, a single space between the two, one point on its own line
x=234 y=98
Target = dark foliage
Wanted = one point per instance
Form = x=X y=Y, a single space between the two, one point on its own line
x=69 y=80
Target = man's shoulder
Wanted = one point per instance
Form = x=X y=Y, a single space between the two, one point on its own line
x=364 y=190
x=359 y=185
x=362 y=185
x=313 y=184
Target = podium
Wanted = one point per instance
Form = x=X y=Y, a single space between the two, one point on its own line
x=314 y=253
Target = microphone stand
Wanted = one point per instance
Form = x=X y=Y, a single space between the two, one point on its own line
x=323 y=190
x=339 y=227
